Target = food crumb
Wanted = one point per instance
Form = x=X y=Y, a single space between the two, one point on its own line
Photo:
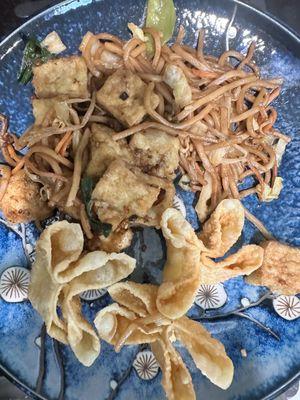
x=113 y=384
x=243 y=353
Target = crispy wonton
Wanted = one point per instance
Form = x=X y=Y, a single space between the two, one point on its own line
x=189 y=262
x=244 y=262
x=181 y=274
x=208 y=353
x=60 y=273
x=223 y=228
x=176 y=379
x=280 y=270
x=134 y=319
x=98 y=270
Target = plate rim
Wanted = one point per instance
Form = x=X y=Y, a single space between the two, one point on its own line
x=271 y=18
x=282 y=25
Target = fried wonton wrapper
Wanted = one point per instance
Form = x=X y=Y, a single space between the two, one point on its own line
x=280 y=270
x=44 y=296
x=244 y=262
x=117 y=325
x=202 y=208
x=176 y=379
x=136 y=320
x=60 y=274
x=82 y=338
x=208 y=353
x=181 y=274
x=58 y=247
x=223 y=228
x=141 y=299
x=98 y=270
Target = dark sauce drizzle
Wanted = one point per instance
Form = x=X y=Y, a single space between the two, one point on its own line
x=42 y=363
x=126 y=374
x=239 y=312
x=61 y=369
x=39 y=382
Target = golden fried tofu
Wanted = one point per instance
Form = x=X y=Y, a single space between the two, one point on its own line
x=104 y=150
x=156 y=152
x=46 y=110
x=280 y=270
x=122 y=192
x=123 y=96
x=61 y=76
x=22 y=202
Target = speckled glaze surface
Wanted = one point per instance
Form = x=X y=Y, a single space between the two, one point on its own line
x=264 y=365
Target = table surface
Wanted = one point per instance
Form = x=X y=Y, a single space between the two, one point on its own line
x=286 y=10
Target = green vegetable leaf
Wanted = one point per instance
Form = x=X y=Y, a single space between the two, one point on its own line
x=87 y=185
x=33 y=54
x=161 y=15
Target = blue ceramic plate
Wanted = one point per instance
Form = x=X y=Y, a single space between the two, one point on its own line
x=263 y=342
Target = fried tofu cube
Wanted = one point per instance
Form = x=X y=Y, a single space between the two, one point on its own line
x=22 y=202
x=104 y=150
x=280 y=270
x=66 y=76
x=122 y=192
x=46 y=110
x=123 y=96
x=156 y=152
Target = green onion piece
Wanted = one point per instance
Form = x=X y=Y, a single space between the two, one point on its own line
x=161 y=15
x=87 y=185
x=33 y=54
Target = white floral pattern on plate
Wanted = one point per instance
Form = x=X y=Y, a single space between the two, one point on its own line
x=211 y=296
x=179 y=205
x=90 y=295
x=14 y=284
x=146 y=365
x=288 y=307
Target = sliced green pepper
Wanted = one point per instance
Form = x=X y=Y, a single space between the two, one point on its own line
x=161 y=15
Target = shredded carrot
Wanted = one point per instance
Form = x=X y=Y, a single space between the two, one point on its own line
x=18 y=166
x=204 y=74
x=10 y=161
x=13 y=153
x=62 y=141
x=66 y=145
